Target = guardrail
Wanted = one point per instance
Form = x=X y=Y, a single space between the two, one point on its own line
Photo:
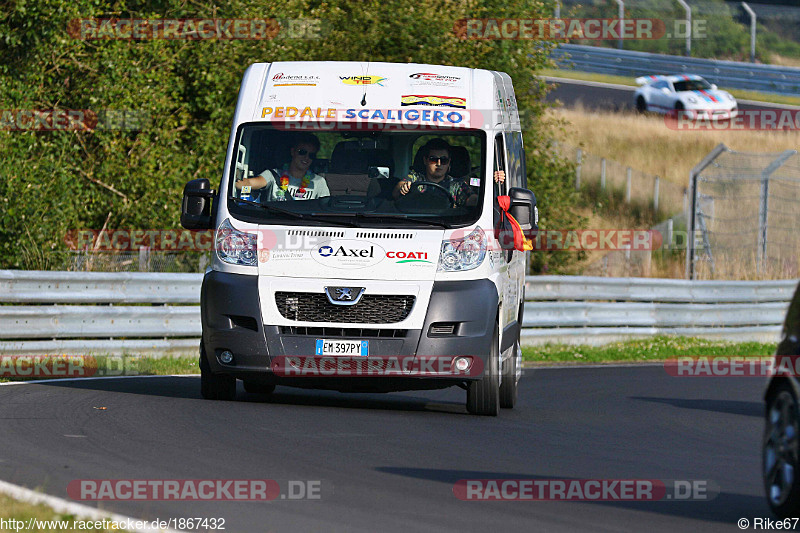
x=726 y=74
x=88 y=312
x=590 y=310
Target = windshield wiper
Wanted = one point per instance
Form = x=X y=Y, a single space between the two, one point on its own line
x=302 y=216
x=440 y=223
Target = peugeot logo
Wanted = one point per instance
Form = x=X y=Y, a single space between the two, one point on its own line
x=344 y=295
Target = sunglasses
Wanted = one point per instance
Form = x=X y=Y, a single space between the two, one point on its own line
x=440 y=160
x=303 y=151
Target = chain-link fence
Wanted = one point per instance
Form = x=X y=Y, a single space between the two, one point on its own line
x=652 y=192
x=143 y=260
x=744 y=216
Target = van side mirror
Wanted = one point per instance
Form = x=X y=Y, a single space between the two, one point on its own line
x=523 y=209
x=196 y=205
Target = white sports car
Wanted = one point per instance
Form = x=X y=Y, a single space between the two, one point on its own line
x=682 y=92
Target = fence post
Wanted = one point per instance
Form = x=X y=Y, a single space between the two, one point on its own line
x=144 y=259
x=752 y=31
x=763 y=211
x=603 y=174
x=666 y=241
x=655 y=194
x=628 y=185
x=690 y=214
x=578 y=169
x=688 y=26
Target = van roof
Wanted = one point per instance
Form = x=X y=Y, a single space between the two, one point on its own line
x=268 y=88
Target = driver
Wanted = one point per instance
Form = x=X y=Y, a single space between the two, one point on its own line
x=294 y=181
x=436 y=159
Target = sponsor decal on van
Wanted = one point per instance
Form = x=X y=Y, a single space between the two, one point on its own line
x=433 y=100
x=403 y=256
x=294 y=80
x=429 y=78
x=362 y=80
x=348 y=254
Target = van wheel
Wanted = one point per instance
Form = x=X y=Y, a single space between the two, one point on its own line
x=258 y=387
x=780 y=462
x=483 y=396
x=510 y=384
x=215 y=386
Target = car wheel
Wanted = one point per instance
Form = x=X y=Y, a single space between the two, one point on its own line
x=679 y=106
x=483 y=396
x=780 y=466
x=215 y=386
x=641 y=105
x=510 y=382
x=259 y=387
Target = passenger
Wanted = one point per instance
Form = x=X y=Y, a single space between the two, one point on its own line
x=436 y=158
x=294 y=181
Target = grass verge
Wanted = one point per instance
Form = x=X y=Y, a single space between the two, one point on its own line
x=646 y=143
x=41 y=514
x=58 y=366
x=645 y=350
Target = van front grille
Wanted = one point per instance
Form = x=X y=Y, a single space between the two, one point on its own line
x=371 y=309
x=328 y=332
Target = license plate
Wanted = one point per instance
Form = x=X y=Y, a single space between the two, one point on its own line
x=345 y=348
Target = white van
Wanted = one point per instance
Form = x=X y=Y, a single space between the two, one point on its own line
x=359 y=219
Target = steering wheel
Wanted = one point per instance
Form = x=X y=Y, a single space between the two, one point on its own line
x=416 y=188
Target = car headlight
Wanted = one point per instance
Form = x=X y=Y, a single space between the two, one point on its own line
x=730 y=97
x=463 y=254
x=236 y=247
x=691 y=99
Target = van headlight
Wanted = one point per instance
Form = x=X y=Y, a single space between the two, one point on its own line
x=236 y=247
x=463 y=254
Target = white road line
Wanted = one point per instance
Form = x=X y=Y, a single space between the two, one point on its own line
x=51 y=380
x=560 y=366
x=78 y=510
x=590 y=83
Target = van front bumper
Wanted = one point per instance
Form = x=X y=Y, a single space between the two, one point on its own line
x=231 y=320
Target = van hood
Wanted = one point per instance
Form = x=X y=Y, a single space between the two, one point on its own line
x=351 y=253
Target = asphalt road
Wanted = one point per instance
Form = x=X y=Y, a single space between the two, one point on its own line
x=617 y=98
x=389 y=462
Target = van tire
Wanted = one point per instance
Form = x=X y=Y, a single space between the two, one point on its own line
x=483 y=396
x=215 y=386
x=509 y=385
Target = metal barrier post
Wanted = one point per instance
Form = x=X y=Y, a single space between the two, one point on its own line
x=628 y=173
x=603 y=174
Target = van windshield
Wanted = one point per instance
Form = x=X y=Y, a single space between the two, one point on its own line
x=360 y=178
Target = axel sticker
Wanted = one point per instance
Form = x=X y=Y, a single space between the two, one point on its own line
x=362 y=80
x=428 y=99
